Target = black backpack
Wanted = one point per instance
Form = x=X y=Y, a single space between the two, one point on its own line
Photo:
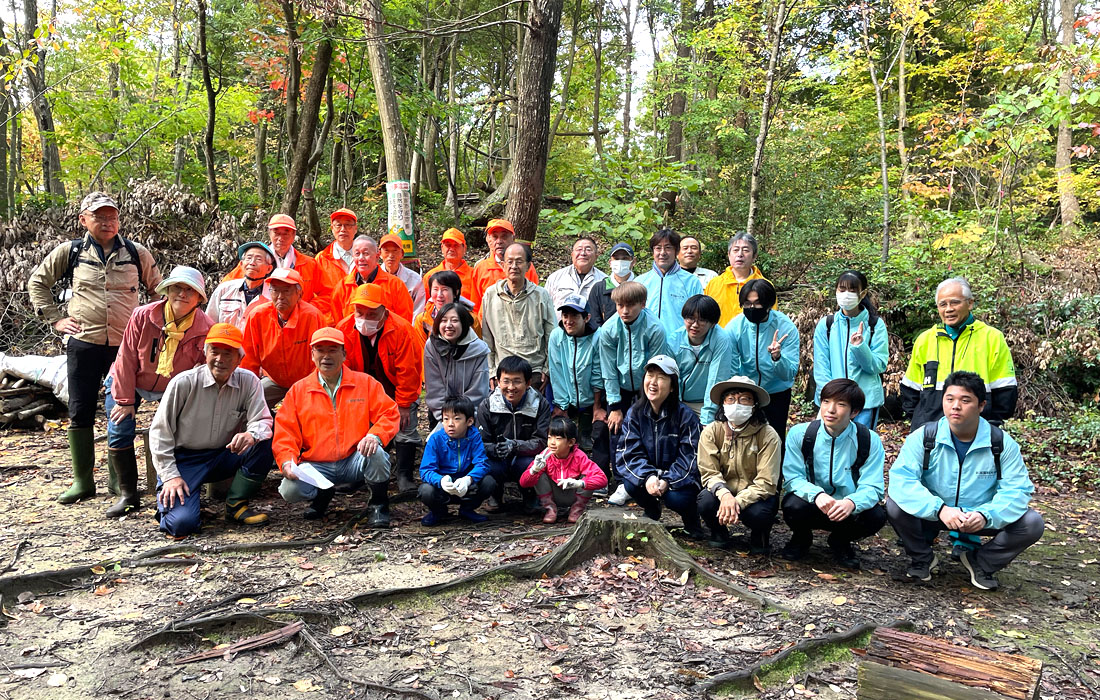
x=996 y=444
x=872 y=321
x=863 y=449
x=78 y=246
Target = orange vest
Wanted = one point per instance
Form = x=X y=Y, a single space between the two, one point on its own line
x=464 y=272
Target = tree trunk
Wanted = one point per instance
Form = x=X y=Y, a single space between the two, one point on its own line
x=211 y=108
x=679 y=97
x=415 y=164
x=903 y=124
x=781 y=15
x=883 y=171
x=536 y=80
x=43 y=114
x=5 y=55
x=300 y=162
x=630 y=21
x=261 y=158
x=181 y=144
x=597 y=55
x=293 y=73
x=1067 y=196
x=452 y=125
x=567 y=75
x=393 y=133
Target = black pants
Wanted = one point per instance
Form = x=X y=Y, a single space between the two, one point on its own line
x=804 y=517
x=87 y=366
x=681 y=501
x=595 y=432
x=757 y=517
x=776 y=412
x=627 y=398
x=437 y=499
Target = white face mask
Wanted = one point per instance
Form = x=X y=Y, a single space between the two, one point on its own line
x=620 y=268
x=847 y=300
x=366 y=326
x=737 y=413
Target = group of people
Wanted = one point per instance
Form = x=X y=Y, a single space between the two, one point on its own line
x=667 y=388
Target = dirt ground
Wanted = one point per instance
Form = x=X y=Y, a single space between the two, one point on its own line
x=614 y=627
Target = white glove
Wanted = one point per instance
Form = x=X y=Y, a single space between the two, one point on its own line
x=463 y=485
x=540 y=462
x=448 y=485
x=571 y=484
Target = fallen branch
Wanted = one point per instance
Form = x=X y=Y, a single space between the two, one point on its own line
x=15 y=556
x=316 y=647
x=260 y=640
x=743 y=678
x=48 y=580
x=196 y=623
x=14 y=666
x=1065 y=663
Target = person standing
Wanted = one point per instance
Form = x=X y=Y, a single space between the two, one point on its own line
x=106 y=272
x=667 y=285
x=499 y=234
x=367 y=270
x=453 y=247
x=392 y=250
x=691 y=250
x=703 y=354
x=578 y=278
x=600 y=305
x=232 y=300
x=726 y=287
x=335 y=259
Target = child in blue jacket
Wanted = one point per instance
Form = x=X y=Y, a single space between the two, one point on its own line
x=455 y=468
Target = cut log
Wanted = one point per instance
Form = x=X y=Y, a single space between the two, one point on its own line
x=906 y=666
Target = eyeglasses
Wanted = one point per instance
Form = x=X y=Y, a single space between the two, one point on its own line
x=336 y=224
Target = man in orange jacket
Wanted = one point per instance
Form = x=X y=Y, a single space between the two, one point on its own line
x=364 y=252
x=454 y=259
x=316 y=283
x=384 y=346
x=276 y=336
x=333 y=429
x=335 y=259
x=499 y=234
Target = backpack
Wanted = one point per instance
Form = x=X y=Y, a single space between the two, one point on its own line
x=78 y=246
x=872 y=321
x=863 y=449
x=996 y=444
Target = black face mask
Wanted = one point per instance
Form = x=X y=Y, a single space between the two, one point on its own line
x=755 y=315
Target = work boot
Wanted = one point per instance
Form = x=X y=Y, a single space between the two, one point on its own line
x=760 y=542
x=317 y=508
x=406 y=452
x=82 y=451
x=123 y=464
x=379 y=505
x=546 y=503
x=237 y=511
x=578 y=508
x=799 y=545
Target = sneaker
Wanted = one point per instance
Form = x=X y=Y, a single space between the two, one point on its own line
x=845 y=555
x=471 y=515
x=797 y=548
x=433 y=518
x=923 y=572
x=978 y=577
x=620 y=497
x=694 y=532
x=601 y=492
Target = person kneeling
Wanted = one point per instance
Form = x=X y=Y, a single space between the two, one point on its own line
x=454 y=467
x=338 y=421
x=211 y=424
x=833 y=477
x=562 y=474
x=962 y=460
x=739 y=462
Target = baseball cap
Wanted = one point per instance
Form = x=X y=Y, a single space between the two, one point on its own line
x=453 y=234
x=97 y=200
x=575 y=302
x=622 y=246
x=326 y=335
x=281 y=220
x=368 y=295
x=499 y=224
x=664 y=363
x=343 y=212
x=286 y=276
x=225 y=334
x=391 y=238
x=181 y=274
x=254 y=244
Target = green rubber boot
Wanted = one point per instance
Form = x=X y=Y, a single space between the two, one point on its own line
x=112 y=475
x=236 y=501
x=82 y=451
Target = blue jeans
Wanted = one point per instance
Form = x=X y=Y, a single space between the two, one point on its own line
x=121 y=435
x=200 y=466
x=355 y=467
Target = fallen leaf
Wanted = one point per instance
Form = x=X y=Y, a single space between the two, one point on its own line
x=104 y=590
x=826 y=577
x=245 y=601
x=97 y=570
x=191 y=569
x=440 y=649
x=509 y=674
x=28 y=672
x=307 y=565
x=840 y=600
x=56 y=680
x=273 y=680
x=718 y=621
x=306 y=686
x=340 y=631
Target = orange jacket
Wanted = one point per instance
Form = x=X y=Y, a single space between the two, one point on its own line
x=309 y=429
x=333 y=268
x=464 y=272
x=397 y=295
x=282 y=352
x=316 y=283
x=488 y=272
x=402 y=357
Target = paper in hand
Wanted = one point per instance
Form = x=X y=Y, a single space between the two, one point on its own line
x=309 y=474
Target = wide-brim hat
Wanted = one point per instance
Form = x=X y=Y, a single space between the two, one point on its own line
x=744 y=383
x=181 y=274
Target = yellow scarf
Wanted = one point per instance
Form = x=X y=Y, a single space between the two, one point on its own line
x=173 y=333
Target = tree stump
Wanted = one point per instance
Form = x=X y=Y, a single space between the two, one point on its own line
x=905 y=666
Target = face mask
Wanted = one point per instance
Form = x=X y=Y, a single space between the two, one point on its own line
x=737 y=413
x=755 y=315
x=847 y=300
x=367 y=326
x=620 y=268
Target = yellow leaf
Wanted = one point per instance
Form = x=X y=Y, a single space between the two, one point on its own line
x=340 y=631
x=840 y=600
x=97 y=570
x=632 y=574
x=246 y=601
x=306 y=686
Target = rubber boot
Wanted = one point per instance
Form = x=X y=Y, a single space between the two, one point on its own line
x=112 y=476
x=82 y=451
x=577 y=509
x=406 y=453
x=379 y=505
x=241 y=489
x=123 y=464
x=546 y=502
x=317 y=508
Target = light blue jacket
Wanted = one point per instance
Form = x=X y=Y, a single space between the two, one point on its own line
x=836 y=358
x=575 y=367
x=667 y=293
x=971 y=486
x=832 y=467
x=625 y=350
x=750 y=350
x=702 y=367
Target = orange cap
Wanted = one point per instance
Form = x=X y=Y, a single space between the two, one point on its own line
x=453 y=234
x=225 y=334
x=286 y=276
x=368 y=295
x=326 y=335
x=343 y=212
x=499 y=223
x=391 y=238
x=281 y=220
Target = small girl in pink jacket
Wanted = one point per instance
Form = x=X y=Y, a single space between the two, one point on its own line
x=562 y=474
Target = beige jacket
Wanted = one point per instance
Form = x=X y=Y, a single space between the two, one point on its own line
x=747 y=464
x=103 y=296
x=519 y=325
